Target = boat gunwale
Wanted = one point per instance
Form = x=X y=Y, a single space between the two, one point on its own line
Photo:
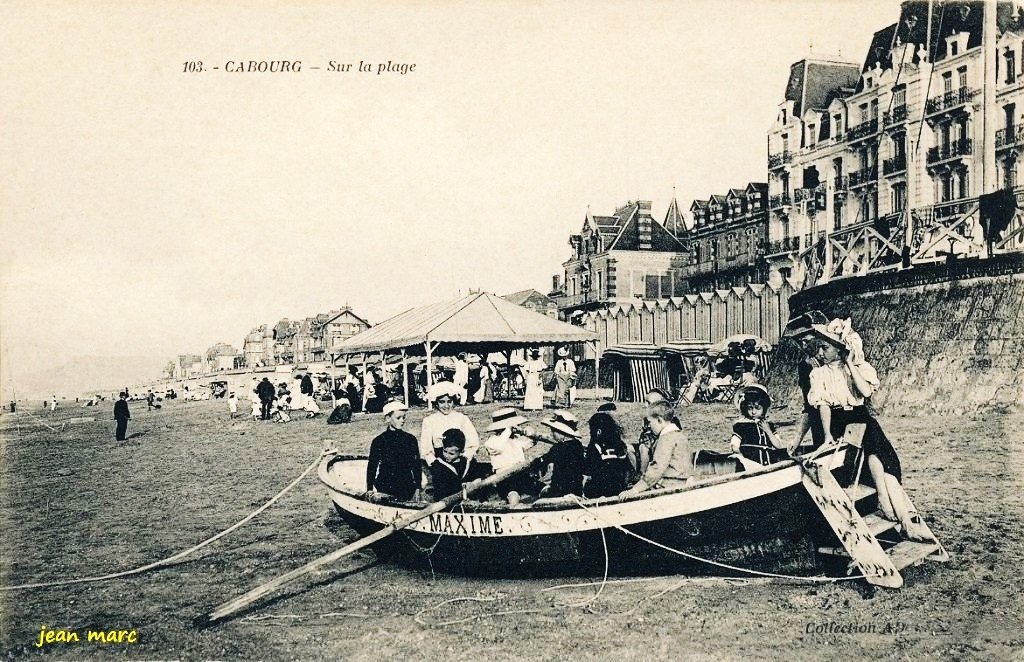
x=323 y=473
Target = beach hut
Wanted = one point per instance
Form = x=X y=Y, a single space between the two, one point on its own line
x=636 y=369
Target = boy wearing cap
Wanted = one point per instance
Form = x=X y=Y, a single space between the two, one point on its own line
x=394 y=466
x=451 y=469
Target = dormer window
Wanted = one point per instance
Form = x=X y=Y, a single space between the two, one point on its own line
x=811 y=134
x=783 y=117
x=954 y=48
x=867 y=82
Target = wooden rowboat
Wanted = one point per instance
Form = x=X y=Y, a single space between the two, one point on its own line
x=760 y=520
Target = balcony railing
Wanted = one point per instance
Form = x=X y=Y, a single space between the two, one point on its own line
x=863 y=177
x=841 y=182
x=863 y=130
x=573 y=300
x=784 y=245
x=949 y=100
x=894 y=165
x=780 y=159
x=1009 y=136
x=895 y=116
x=779 y=201
x=953 y=149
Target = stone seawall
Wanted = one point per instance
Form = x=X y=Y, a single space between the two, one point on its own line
x=944 y=338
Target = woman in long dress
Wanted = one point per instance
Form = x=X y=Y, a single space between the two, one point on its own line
x=534 y=398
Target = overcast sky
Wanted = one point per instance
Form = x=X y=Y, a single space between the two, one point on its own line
x=147 y=211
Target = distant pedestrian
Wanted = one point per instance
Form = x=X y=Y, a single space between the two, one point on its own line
x=265 y=391
x=565 y=378
x=534 y=398
x=150 y=400
x=232 y=404
x=53 y=403
x=121 y=416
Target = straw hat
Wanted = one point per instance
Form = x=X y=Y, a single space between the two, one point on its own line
x=393 y=406
x=438 y=389
x=504 y=418
x=563 y=422
x=563 y=352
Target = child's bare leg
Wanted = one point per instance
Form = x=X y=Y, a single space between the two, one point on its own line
x=878 y=475
x=913 y=525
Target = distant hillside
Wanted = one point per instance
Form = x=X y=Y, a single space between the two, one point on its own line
x=85 y=374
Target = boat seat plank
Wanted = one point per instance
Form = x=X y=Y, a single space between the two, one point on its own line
x=860 y=491
x=878 y=524
x=910 y=552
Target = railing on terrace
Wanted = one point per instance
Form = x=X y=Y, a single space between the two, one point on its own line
x=864 y=176
x=949 y=100
x=841 y=182
x=1010 y=135
x=571 y=300
x=895 y=116
x=779 y=201
x=784 y=245
x=951 y=150
x=863 y=129
x=894 y=165
x=780 y=159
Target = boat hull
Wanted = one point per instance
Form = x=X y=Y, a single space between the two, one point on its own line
x=762 y=521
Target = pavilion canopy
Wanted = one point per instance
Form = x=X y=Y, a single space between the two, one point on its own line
x=472 y=323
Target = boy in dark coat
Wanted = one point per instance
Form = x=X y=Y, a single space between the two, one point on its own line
x=451 y=469
x=394 y=464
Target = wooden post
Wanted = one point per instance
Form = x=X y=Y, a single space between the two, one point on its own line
x=597 y=370
x=364 y=383
x=508 y=373
x=405 y=377
x=334 y=399
x=430 y=373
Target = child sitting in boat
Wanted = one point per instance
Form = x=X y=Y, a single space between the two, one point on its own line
x=507 y=448
x=567 y=458
x=671 y=462
x=452 y=469
x=607 y=460
x=754 y=437
x=393 y=467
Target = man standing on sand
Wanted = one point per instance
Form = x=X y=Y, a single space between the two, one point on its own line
x=121 y=415
x=266 y=393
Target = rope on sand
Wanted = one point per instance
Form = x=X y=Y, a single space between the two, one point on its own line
x=719 y=564
x=180 y=555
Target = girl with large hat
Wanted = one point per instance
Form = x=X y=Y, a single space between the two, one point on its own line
x=442 y=395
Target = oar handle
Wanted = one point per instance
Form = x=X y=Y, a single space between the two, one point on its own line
x=233 y=606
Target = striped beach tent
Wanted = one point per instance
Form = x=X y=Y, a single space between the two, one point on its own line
x=637 y=368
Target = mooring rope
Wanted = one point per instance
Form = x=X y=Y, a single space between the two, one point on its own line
x=180 y=555
x=701 y=559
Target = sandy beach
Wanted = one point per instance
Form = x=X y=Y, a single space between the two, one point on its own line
x=77 y=504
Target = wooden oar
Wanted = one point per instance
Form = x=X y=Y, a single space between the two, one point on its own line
x=232 y=606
